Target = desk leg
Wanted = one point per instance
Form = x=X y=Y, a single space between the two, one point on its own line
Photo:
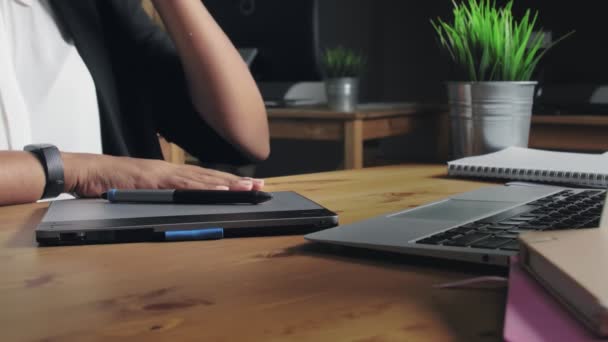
x=353 y=144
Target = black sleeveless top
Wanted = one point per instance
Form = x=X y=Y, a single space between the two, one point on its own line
x=140 y=82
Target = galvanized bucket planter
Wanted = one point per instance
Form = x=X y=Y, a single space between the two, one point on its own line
x=489 y=116
x=342 y=93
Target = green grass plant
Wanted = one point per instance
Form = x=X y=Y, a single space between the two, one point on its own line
x=489 y=43
x=342 y=62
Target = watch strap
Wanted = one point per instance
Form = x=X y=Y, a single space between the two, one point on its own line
x=50 y=158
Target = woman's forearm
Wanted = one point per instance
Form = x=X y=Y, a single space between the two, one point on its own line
x=22 y=178
x=221 y=85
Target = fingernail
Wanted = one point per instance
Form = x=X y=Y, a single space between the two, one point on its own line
x=255 y=180
x=222 y=187
x=245 y=182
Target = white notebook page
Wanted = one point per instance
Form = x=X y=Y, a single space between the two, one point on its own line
x=525 y=158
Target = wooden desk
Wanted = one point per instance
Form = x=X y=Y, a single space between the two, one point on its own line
x=251 y=289
x=353 y=129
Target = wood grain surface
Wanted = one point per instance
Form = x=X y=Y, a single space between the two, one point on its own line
x=250 y=289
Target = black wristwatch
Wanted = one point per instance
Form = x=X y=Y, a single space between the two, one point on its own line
x=50 y=158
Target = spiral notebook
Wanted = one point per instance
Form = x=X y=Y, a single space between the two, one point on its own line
x=524 y=164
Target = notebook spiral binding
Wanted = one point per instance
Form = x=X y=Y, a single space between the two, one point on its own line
x=579 y=178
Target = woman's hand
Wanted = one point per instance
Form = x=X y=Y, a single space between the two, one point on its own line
x=90 y=175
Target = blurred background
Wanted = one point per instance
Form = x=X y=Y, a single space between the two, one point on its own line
x=285 y=41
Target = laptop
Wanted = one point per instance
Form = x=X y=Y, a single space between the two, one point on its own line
x=86 y=221
x=481 y=226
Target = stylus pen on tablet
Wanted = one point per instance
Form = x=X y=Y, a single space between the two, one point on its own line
x=186 y=196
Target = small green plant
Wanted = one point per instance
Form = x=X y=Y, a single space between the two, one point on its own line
x=342 y=62
x=490 y=44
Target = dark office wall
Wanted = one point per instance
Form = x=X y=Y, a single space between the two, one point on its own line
x=407 y=64
x=347 y=23
x=411 y=63
x=582 y=57
x=405 y=61
x=351 y=24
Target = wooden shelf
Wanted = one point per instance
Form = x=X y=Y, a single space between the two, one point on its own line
x=585 y=133
x=576 y=120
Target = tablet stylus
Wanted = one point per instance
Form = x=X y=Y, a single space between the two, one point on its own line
x=186 y=196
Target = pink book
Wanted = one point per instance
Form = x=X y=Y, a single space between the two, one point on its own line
x=533 y=315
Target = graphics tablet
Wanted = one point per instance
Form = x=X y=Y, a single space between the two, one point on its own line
x=85 y=221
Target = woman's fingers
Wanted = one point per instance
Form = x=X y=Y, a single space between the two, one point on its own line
x=258 y=184
x=223 y=178
x=186 y=183
x=242 y=185
x=216 y=179
x=210 y=172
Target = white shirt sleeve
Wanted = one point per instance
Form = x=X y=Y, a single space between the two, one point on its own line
x=14 y=119
x=47 y=94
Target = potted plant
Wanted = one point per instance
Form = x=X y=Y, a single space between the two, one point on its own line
x=491 y=108
x=342 y=68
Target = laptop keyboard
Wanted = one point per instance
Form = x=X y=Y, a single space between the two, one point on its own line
x=567 y=209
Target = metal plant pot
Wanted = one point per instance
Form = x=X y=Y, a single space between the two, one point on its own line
x=342 y=93
x=489 y=116
x=461 y=119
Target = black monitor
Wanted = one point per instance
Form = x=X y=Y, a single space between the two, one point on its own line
x=285 y=33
